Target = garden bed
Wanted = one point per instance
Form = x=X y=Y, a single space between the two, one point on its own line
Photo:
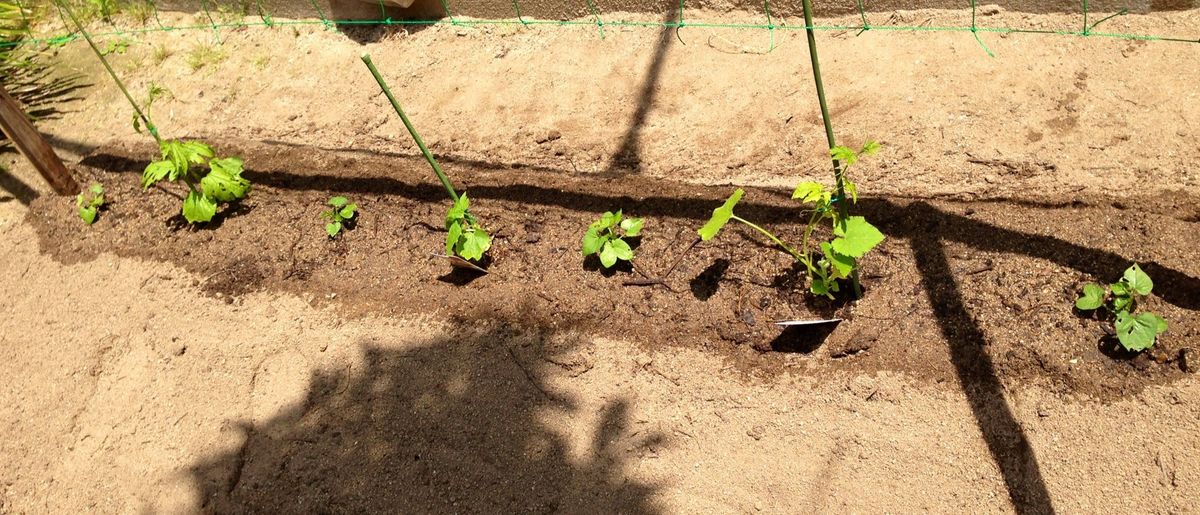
x=960 y=290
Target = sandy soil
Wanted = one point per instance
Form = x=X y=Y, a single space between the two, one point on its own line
x=131 y=388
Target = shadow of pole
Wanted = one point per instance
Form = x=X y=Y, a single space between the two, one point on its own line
x=628 y=155
x=1006 y=441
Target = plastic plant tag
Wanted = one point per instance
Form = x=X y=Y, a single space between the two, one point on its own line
x=458 y=262
x=787 y=323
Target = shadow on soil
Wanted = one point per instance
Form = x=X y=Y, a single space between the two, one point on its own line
x=912 y=221
x=453 y=426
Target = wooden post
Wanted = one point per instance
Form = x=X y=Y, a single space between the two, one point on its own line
x=33 y=146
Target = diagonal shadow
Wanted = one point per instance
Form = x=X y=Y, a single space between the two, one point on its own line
x=24 y=193
x=1005 y=438
x=628 y=154
x=451 y=426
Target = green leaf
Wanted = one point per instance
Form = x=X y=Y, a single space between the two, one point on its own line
x=808 y=191
x=622 y=250
x=1119 y=289
x=842 y=265
x=869 y=148
x=459 y=210
x=96 y=188
x=475 y=243
x=333 y=228
x=338 y=201
x=98 y=200
x=348 y=211
x=452 y=237
x=175 y=152
x=198 y=152
x=224 y=182
x=156 y=171
x=846 y=155
x=852 y=189
x=1123 y=303
x=720 y=216
x=592 y=242
x=1137 y=280
x=632 y=226
x=1160 y=324
x=1137 y=332
x=88 y=214
x=607 y=220
x=198 y=207
x=608 y=256
x=856 y=237
x=1092 y=298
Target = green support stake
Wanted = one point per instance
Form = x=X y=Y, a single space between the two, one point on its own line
x=437 y=169
x=150 y=127
x=843 y=206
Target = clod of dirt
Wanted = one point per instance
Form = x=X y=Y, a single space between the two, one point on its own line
x=549 y=136
x=1189 y=360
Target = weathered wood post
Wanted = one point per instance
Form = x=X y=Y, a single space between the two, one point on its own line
x=33 y=146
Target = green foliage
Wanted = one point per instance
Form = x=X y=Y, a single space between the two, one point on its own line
x=343 y=211
x=720 y=216
x=203 y=55
x=464 y=236
x=1134 y=332
x=605 y=238
x=117 y=46
x=153 y=93
x=89 y=203
x=853 y=236
x=183 y=161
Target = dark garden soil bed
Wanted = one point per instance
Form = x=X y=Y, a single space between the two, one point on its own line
x=974 y=291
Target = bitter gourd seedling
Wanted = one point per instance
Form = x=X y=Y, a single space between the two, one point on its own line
x=606 y=238
x=1134 y=332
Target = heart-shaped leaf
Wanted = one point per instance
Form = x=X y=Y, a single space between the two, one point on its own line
x=855 y=237
x=1138 y=332
x=1092 y=298
x=1137 y=280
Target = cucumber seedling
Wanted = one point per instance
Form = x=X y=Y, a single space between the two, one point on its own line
x=1134 y=332
x=465 y=236
x=852 y=238
x=606 y=238
x=340 y=216
x=182 y=161
x=89 y=203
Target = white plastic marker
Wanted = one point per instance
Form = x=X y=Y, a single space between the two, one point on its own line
x=807 y=322
x=458 y=262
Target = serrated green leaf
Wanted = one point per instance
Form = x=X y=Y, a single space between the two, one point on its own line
x=338 y=201
x=475 y=244
x=459 y=210
x=608 y=256
x=197 y=151
x=223 y=186
x=1137 y=332
x=155 y=172
x=869 y=148
x=1092 y=298
x=96 y=188
x=88 y=214
x=808 y=191
x=855 y=237
x=852 y=189
x=1137 y=280
x=842 y=265
x=333 y=228
x=720 y=216
x=198 y=207
x=98 y=200
x=622 y=249
x=175 y=152
x=452 y=237
x=845 y=155
x=591 y=242
x=632 y=226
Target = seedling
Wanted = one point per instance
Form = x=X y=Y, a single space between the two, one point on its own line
x=464 y=236
x=1135 y=332
x=853 y=236
x=181 y=160
x=223 y=182
x=606 y=238
x=341 y=214
x=90 y=202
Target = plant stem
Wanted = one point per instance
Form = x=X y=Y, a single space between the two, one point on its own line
x=150 y=127
x=769 y=235
x=366 y=58
x=837 y=166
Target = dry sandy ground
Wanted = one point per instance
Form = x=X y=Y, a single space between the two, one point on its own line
x=126 y=389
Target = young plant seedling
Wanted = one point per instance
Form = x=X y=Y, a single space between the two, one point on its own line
x=182 y=161
x=1135 y=332
x=606 y=238
x=464 y=236
x=90 y=202
x=342 y=213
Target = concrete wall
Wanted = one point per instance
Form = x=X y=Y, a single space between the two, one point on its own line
x=572 y=9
